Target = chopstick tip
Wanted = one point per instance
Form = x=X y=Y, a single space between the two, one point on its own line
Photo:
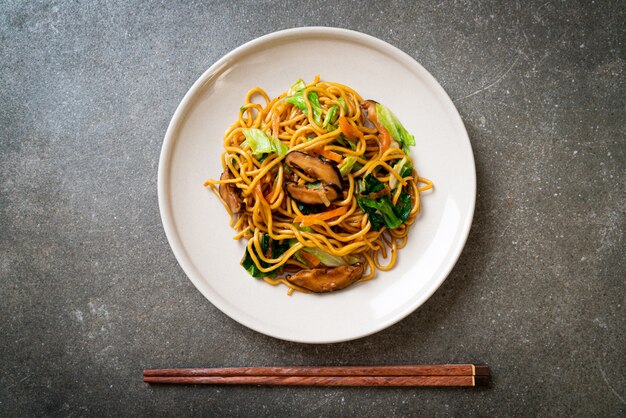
x=481 y=370
x=481 y=380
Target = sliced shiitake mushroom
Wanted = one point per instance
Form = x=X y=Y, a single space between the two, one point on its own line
x=314 y=167
x=320 y=196
x=230 y=194
x=327 y=279
x=368 y=115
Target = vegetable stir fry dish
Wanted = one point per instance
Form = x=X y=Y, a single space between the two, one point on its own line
x=320 y=184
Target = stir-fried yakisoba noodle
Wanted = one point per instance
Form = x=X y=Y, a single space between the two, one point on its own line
x=320 y=184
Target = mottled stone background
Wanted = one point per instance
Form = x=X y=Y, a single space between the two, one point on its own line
x=90 y=292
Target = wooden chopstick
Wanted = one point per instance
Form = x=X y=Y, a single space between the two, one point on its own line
x=423 y=375
x=412 y=370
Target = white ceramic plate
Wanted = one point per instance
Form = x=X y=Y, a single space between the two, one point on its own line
x=197 y=226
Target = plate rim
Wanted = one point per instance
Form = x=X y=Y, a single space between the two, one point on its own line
x=164 y=169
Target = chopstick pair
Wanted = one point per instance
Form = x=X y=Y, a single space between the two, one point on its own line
x=466 y=375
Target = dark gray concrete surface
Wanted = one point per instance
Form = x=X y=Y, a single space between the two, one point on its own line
x=90 y=293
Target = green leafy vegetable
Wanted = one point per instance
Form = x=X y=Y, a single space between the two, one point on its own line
x=371 y=184
x=260 y=143
x=309 y=209
x=407 y=170
x=391 y=123
x=346 y=166
x=375 y=217
x=381 y=211
x=249 y=265
x=331 y=260
x=279 y=247
x=298 y=85
x=298 y=101
x=299 y=227
x=403 y=208
x=268 y=246
x=343 y=104
x=404 y=168
x=382 y=207
x=345 y=142
x=350 y=259
x=326 y=259
x=331 y=116
x=298 y=257
x=315 y=106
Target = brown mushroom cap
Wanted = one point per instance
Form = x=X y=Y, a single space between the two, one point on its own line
x=327 y=279
x=311 y=196
x=230 y=194
x=314 y=167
